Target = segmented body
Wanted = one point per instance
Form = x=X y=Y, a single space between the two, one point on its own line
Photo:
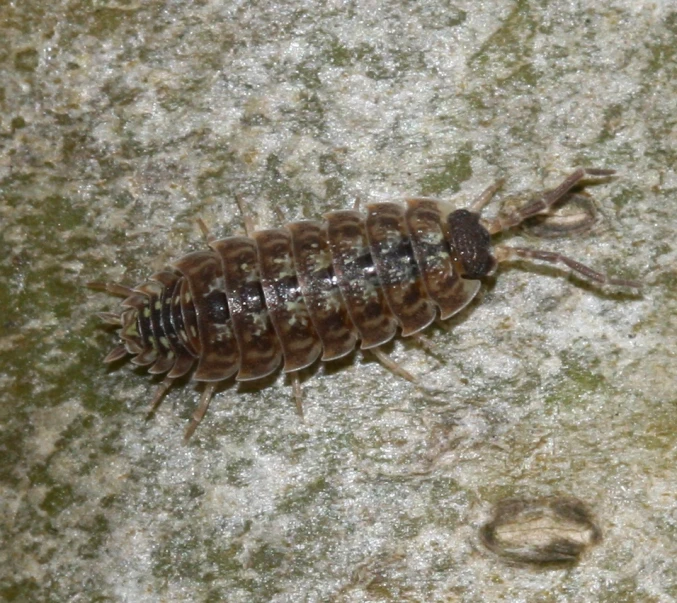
x=295 y=294
x=313 y=289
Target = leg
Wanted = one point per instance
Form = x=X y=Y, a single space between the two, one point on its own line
x=208 y=236
x=280 y=214
x=503 y=254
x=200 y=411
x=249 y=225
x=297 y=393
x=427 y=344
x=485 y=198
x=542 y=204
x=112 y=288
x=392 y=366
x=161 y=390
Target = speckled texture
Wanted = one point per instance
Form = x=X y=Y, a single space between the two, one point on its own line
x=121 y=123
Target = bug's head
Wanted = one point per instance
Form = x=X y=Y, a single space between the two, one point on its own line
x=470 y=244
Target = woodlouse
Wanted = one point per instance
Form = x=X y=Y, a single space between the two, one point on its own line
x=314 y=288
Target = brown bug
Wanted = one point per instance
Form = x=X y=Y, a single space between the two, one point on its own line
x=314 y=288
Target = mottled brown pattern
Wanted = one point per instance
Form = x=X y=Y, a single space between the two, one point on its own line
x=259 y=346
x=444 y=284
x=355 y=273
x=299 y=341
x=314 y=288
x=324 y=302
x=396 y=267
x=219 y=356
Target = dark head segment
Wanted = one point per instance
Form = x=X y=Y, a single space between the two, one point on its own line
x=470 y=244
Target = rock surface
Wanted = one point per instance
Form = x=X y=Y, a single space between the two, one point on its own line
x=122 y=123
